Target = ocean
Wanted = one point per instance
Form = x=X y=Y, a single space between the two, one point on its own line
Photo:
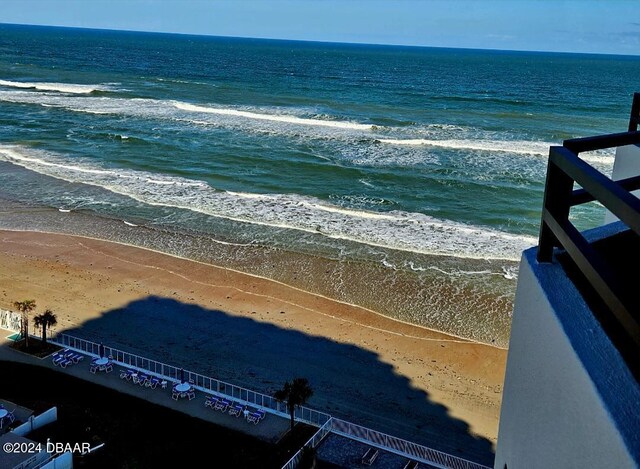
x=406 y=180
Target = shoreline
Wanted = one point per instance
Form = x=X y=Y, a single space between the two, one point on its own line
x=469 y=300
x=257 y=332
x=454 y=337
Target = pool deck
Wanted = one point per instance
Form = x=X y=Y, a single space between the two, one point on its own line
x=271 y=429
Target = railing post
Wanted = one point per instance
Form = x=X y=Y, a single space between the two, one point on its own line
x=634 y=119
x=557 y=197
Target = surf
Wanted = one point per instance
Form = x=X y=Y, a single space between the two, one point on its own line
x=405 y=231
x=72 y=88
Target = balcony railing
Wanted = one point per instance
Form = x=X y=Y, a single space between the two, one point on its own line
x=603 y=277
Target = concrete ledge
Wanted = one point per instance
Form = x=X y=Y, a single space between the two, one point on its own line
x=569 y=398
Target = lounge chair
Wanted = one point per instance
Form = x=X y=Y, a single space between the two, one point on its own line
x=235 y=409
x=140 y=379
x=61 y=359
x=222 y=405
x=370 y=456
x=153 y=382
x=210 y=401
x=62 y=363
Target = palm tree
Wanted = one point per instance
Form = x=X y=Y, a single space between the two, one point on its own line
x=44 y=320
x=25 y=307
x=296 y=393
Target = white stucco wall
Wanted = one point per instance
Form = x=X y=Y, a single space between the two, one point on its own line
x=553 y=415
x=627 y=164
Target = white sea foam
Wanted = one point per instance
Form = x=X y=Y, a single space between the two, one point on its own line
x=510 y=273
x=289 y=119
x=388 y=264
x=416 y=268
x=265 y=120
x=522 y=147
x=414 y=232
x=395 y=148
x=517 y=147
x=60 y=87
x=365 y=182
x=129 y=223
x=89 y=111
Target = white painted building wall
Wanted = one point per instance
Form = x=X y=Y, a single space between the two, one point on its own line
x=627 y=164
x=554 y=411
x=63 y=461
x=34 y=423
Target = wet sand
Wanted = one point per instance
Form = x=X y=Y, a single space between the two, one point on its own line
x=402 y=379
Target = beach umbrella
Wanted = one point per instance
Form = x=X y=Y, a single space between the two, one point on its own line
x=101 y=351
x=182 y=375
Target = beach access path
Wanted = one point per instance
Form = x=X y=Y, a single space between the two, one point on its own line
x=422 y=385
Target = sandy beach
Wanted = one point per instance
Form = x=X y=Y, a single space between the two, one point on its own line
x=409 y=381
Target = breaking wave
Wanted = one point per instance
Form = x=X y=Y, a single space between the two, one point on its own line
x=414 y=232
x=60 y=87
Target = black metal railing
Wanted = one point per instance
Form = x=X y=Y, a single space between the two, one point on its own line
x=604 y=278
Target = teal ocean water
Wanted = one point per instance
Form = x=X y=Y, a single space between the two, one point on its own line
x=406 y=180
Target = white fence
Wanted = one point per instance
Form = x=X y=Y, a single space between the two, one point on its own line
x=10 y=321
x=313 y=442
x=35 y=461
x=201 y=382
x=34 y=423
x=64 y=461
x=400 y=446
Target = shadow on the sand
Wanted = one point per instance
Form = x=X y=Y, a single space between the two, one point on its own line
x=349 y=382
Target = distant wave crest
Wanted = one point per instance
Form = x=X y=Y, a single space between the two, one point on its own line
x=289 y=119
x=365 y=145
x=524 y=147
x=60 y=87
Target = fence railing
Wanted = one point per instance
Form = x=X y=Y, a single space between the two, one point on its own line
x=203 y=383
x=10 y=320
x=402 y=447
x=313 y=442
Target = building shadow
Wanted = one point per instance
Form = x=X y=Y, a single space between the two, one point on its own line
x=349 y=382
